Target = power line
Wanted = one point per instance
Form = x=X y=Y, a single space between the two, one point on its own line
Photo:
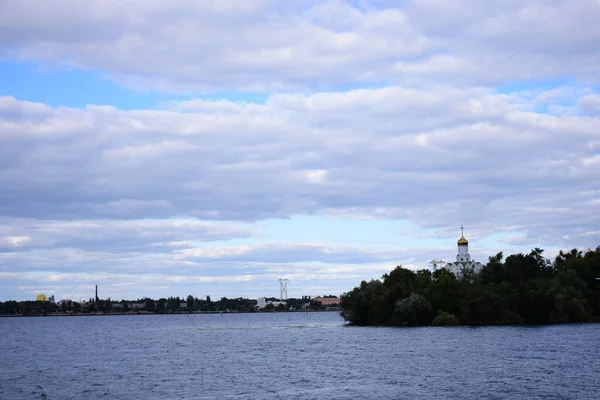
x=283 y=293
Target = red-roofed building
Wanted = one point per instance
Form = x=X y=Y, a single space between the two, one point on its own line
x=328 y=301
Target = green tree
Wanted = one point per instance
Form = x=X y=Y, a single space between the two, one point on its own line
x=400 y=283
x=161 y=305
x=412 y=311
x=493 y=271
x=149 y=304
x=364 y=305
x=173 y=303
x=105 y=305
x=190 y=302
x=445 y=319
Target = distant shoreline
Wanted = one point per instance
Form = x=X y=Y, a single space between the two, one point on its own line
x=166 y=313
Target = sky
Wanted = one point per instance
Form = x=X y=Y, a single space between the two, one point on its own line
x=165 y=148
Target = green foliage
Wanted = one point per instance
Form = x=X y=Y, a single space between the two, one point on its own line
x=190 y=302
x=104 y=306
x=173 y=303
x=521 y=289
x=414 y=310
x=28 y=307
x=445 y=319
x=367 y=304
x=149 y=304
x=162 y=305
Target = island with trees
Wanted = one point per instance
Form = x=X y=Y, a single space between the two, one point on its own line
x=521 y=289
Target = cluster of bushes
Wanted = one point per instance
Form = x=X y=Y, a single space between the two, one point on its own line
x=28 y=307
x=522 y=289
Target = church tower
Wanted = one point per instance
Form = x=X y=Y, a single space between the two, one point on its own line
x=463 y=261
x=463 y=248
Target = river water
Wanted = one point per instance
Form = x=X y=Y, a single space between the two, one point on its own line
x=290 y=356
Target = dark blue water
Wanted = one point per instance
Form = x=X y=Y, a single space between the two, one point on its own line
x=290 y=356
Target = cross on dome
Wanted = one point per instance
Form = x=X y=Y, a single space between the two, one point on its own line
x=462 y=240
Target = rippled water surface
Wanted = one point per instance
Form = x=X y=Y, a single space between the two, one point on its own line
x=289 y=356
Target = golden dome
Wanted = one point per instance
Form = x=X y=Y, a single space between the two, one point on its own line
x=462 y=240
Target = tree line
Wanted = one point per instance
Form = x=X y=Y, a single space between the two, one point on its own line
x=521 y=289
x=147 y=304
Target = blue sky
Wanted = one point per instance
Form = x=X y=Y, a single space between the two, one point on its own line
x=70 y=87
x=166 y=149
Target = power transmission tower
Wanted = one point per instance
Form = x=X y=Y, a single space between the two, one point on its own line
x=283 y=288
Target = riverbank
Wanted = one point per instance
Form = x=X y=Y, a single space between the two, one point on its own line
x=100 y=314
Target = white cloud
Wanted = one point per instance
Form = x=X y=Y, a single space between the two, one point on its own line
x=591 y=160
x=187 y=46
x=269 y=252
x=144 y=235
x=590 y=104
x=317 y=176
x=484 y=155
x=14 y=241
x=276 y=46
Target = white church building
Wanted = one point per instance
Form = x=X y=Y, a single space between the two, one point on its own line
x=463 y=259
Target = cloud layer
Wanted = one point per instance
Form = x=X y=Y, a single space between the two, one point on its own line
x=425 y=155
x=435 y=113
x=265 y=45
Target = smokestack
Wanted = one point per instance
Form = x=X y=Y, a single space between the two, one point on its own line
x=97 y=299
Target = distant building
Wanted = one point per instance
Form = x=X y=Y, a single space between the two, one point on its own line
x=328 y=301
x=136 y=306
x=262 y=302
x=463 y=261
